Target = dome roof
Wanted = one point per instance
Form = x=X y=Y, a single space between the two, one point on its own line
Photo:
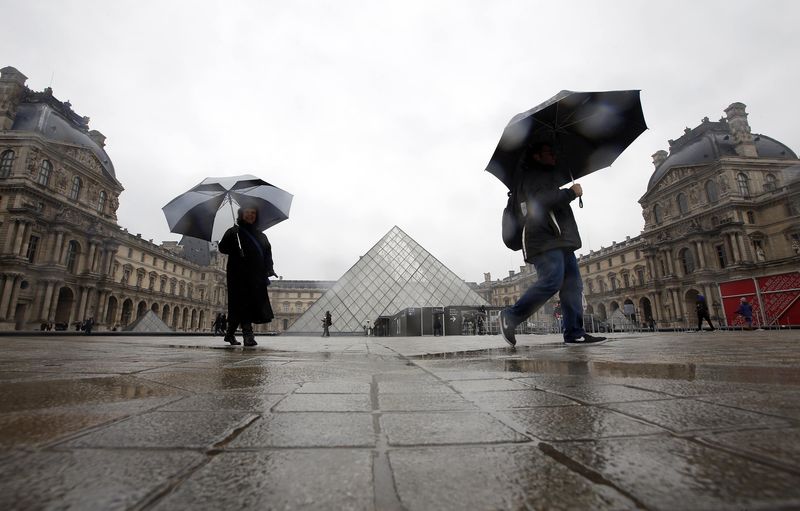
x=42 y=118
x=711 y=141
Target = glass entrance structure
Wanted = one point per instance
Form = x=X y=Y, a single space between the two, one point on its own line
x=395 y=274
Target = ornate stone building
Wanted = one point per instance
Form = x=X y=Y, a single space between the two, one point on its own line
x=64 y=258
x=721 y=211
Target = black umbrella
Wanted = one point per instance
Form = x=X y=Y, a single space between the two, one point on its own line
x=588 y=131
x=199 y=211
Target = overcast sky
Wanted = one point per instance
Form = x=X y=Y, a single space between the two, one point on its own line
x=376 y=114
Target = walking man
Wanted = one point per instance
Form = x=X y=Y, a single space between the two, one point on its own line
x=549 y=240
x=327 y=321
x=702 y=313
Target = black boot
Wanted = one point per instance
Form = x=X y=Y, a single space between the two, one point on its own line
x=249 y=338
x=230 y=337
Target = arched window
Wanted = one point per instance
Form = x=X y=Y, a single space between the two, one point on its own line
x=743 y=183
x=6 y=162
x=657 y=214
x=712 y=194
x=683 y=204
x=770 y=182
x=73 y=251
x=75 y=191
x=101 y=201
x=687 y=261
x=45 y=169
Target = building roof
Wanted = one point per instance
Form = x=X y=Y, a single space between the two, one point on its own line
x=711 y=141
x=43 y=114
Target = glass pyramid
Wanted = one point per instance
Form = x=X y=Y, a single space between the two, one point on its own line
x=395 y=274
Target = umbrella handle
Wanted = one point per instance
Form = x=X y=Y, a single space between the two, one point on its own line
x=580 y=202
x=239 y=241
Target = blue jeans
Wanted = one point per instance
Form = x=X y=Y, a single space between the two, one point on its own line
x=558 y=273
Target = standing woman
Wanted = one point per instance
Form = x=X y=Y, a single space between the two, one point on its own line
x=248 y=272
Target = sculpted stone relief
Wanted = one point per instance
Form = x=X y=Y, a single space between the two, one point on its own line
x=85 y=157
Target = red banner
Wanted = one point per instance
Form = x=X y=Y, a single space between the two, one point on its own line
x=775 y=299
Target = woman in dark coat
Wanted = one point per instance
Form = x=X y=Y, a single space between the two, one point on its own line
x=248 y=272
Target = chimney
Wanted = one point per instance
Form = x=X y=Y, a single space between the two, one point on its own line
x=510 y=273
x=97 y=137
x=522 y=269
x=487 y=277
x=12 y=85
x=659 y=157
x=740 y=130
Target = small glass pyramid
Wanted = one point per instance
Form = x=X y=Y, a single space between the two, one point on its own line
x=395 y=274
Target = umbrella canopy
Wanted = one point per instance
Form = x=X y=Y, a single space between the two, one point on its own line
x=588 y=131
x=201 y=212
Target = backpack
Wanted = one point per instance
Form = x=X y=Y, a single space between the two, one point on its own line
x=512 y=227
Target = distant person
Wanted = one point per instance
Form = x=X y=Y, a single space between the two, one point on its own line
x=327 y=321
x=248 y=271
x=87 y=326
x=745 y=310
x=437 y=325
x=549 y=240
x=702 y=313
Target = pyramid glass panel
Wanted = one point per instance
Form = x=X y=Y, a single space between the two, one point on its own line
x=395 y=274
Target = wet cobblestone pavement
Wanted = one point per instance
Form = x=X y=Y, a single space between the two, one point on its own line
x=647 y=421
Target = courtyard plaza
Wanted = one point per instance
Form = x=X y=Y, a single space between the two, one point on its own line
x=646 y=421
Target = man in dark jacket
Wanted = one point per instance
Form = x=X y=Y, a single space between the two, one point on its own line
x=549 y=240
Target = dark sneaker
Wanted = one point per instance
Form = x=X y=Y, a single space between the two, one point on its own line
x=232 y=340
x=586 y=340
x=507 y=329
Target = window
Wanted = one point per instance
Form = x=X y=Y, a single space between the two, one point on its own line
x=638 y=254
x=285 y=306
x=770 y=182
x=33 y=243
x=142 y=257
x=6 y=162
x=626 y=280
x=743 y=184
x=610 y=264
x=590 y=285
x=130 y=253
x=126 y=275
x=73 y=250
x=751 y=217
x=101 y=202
x=712 y=194
x=722 y=259
x=75 y=191
x=687 y=261
x=622 y=257
x=45 y=169
x=683 y=204
x=658 y=216
x=640 y=276
x=597 y=265
x=613 y=283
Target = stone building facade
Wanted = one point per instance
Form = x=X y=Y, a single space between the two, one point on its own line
x=63 y=256
x=723 y=205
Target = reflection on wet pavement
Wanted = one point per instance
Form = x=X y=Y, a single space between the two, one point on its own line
x=651 y=422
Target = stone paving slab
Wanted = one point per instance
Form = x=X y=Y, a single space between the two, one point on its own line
x=647 y=421
x=499 y=477
x=322 y=479
x=673 y=473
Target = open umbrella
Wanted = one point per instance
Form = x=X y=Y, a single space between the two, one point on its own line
x=588 y=131
x=201 y=212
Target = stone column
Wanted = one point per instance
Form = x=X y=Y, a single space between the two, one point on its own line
x=655 y=301
x=734 y=248
x=12 y=302
x=26 y=239
x=22 y=226
x=51 y=315
x=743 y=247
x=90 y=258
x=102 y=307
x=701 y=257
x=5 y=283
x=80 y=310
x=12 y=235
x=48 y=297
x=55 y=257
